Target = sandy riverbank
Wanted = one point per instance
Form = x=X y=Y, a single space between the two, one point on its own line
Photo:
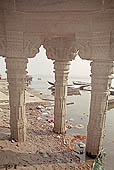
x=43 y=149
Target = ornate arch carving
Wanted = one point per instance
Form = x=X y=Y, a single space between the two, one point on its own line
x=112 y=44
x=60 y=47
x=85 y=49
x=32 y=43
x=2 y=47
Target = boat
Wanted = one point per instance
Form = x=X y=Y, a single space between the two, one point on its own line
x=81 y=83
x=70 y=91
x=51 y=83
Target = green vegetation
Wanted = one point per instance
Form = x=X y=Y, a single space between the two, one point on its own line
x=98 y=164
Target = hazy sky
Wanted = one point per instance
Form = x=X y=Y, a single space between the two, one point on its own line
x=40 y=65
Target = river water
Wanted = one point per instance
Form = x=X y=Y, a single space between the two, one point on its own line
x=79 y=112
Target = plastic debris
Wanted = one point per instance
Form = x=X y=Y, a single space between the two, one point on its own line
x=51 y=121
x=39 y=118
x=80 y=137
x=70 y=103
x=69 y=126
x=51 y=125
x=58 y=137
x=12 y=141
x=38 y=107
x=48 y=108
x=45 y=113
x=81 y=145
x=45 y=155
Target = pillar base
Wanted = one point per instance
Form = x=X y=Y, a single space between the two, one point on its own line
x=58 y=132
x=90 y=155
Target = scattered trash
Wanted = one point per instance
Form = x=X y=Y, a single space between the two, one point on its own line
x=81 y=145
x=45 y=155
x=80 y=137
x=81 y=152
x=45 y=113
x=70 y=103
x=38 y=107
x=31 y=96
x=58 y=137
x=51 y=125
x=51 y=121
x=79 y=126
x=69 y=126
x=13 y=141
x=48 y=108
x=39 y=118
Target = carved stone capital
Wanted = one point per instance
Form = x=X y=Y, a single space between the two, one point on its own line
x=112 y=45
x=32 y=43
x=2 y=45
x=14 y=44
x=61 y=48
x=94 y=46
x=61 y=72
x=102 y=68
x=16 y=71
x=2 y=34
x=83 y=44
x=100 y=45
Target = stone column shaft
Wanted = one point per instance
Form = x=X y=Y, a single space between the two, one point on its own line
x=100 y=82
x=16 y=75
x=61 y=80
x=62 y=50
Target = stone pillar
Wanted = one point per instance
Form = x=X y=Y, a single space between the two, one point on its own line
x=100 y=82
x=62 y=50
x=61 y=79
x=16 y=75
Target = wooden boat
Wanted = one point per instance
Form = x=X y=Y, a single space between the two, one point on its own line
x=81 y=83
x=51 y=83
x=70 y=90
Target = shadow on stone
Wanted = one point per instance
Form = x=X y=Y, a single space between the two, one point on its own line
x=4 y=133
x=10 y=159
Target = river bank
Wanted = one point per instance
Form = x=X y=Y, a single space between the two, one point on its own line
x=43 y=148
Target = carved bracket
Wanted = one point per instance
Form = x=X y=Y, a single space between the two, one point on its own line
x=32 y=42
x=112 y=44
x=2 y=46
x=61 y=48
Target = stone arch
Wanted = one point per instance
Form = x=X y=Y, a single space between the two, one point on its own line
x=32 y=43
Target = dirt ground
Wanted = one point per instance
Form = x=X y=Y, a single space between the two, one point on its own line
x=43 y=149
